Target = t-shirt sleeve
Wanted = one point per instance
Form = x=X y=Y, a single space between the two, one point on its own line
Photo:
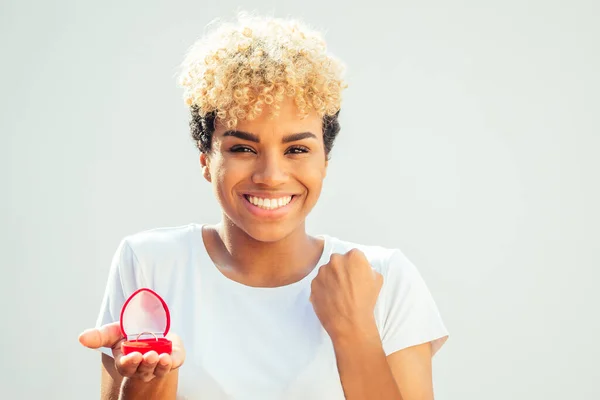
x=124 y=278
x=411 y=316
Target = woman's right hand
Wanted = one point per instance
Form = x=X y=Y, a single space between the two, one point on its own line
x=134 y=365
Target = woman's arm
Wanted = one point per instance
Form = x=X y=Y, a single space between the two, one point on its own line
x=115 y=387
x=363 y=368
x=412 y=370
x=110 y=381
x=366 y=373
x=344 y=294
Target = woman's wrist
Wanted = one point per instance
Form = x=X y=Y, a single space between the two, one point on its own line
x=158 y=388
x=360 y=333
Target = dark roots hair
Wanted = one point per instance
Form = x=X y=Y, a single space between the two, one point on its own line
x=202 y=128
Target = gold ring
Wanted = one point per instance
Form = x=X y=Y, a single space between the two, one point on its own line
x=138 y=336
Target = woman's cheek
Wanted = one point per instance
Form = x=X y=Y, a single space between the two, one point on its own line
x=311 y=176
x=230 y=174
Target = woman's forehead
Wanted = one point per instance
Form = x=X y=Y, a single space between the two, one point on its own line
x=281 y=126
x=288 y=120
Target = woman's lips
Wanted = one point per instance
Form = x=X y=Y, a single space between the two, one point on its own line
x=269 y=203
x=271 y=206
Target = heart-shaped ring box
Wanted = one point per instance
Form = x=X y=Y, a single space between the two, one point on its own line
x=145 y=321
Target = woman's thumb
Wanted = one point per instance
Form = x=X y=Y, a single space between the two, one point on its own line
x=105 y=336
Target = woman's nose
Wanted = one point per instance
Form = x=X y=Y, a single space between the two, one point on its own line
x=270 y=171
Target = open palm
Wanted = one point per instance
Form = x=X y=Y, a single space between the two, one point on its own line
x=134 y=365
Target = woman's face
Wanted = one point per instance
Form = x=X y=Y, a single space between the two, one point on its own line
x=268 y=173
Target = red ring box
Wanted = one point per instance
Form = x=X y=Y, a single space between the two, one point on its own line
x=145 y=321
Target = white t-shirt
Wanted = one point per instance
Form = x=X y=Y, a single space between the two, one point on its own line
x=245 y=342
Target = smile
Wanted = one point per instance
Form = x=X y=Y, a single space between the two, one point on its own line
x=269 y=203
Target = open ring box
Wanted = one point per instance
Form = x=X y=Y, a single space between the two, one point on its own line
x=145 y=321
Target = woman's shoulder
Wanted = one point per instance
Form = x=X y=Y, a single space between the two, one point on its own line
x=160 y=240
x=380 y=257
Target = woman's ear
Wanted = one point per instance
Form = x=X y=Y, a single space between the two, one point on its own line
x=204 y=162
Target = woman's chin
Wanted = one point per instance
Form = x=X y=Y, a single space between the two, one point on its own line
x=268 y=233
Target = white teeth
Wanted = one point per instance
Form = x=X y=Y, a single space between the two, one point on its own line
x=269 y=204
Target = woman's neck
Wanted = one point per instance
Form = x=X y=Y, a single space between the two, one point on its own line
x=266 y=264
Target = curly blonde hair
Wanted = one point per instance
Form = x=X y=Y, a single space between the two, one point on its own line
x=239 y=69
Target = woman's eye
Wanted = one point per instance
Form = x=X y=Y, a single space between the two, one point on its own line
x=241 y=149
x=297 y=150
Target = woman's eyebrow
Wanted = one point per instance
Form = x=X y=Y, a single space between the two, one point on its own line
x=251 y=137
x=298 y=136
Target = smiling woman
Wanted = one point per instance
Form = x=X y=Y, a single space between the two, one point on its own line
x=259 y=309
x=268 y=159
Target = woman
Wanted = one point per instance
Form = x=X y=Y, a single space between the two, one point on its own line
x=266 y=311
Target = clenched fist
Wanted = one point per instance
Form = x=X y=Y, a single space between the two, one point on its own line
x=344 y=294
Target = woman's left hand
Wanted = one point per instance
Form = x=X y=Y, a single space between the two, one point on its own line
x=344 y=294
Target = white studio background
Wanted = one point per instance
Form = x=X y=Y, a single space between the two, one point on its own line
x=470 y=139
